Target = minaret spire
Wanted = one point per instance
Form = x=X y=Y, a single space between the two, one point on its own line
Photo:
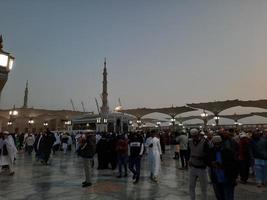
x=104 y=108
x=25 y=103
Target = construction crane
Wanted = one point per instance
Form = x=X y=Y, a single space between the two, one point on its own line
x=120 y=102
x=97 y=106
x=73 y=108
x=83 y=106
x=119 y=107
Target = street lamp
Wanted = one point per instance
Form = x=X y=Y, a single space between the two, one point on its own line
x=216 y=118
x=13 y=112
x=12 y=115
x=204 y=116
x=31 y=122
x=158 y=125
x=67 y=123
x=6 y=64
x=139 y=123
x=173 y=121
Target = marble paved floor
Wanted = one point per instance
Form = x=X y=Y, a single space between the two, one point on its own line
x=62 y=180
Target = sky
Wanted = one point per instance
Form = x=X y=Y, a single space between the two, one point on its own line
x=159 y=53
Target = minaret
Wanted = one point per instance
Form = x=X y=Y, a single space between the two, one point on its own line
x=104 y=108
x=25 y=104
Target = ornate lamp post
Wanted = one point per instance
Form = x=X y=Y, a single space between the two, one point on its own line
x=173 y=120
x=139 y=123
x=6 y=64
x=158 y=125
x=204 y=116
x=216 y=118
x=12 y=115
x=31 y=122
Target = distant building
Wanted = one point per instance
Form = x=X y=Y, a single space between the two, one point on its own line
x=35 y=118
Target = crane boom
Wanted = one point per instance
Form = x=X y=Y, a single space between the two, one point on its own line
x=120 y=102
x=97 y=106
x=72 y=104
x=83 y=106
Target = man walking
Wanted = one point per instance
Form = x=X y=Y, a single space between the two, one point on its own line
x=122 y=153
x=183 y=141
x=136 y=151
x=156 y=156
x=87 y=149
x=198 y=152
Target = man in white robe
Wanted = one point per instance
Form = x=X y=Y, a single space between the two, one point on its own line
x=156 y=156
x=149 y=154
x=8 y=158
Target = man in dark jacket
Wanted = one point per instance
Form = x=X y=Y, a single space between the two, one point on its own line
x=259 y=155
x=87 y=151
x=37 y=145
x=46 y=145
x=244 y=157
x=223 y=168
x=136 y=151
x=102 y=149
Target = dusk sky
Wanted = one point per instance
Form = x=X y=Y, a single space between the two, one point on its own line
x=159 y=53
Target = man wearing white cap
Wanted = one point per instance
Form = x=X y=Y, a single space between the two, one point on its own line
x=198 y=152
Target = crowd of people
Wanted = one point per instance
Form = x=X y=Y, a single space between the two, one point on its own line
x=42 y=142
x=223 y=156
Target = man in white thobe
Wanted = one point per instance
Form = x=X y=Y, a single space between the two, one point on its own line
x=7 y=158
x=149 y=154
x=156 y=155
